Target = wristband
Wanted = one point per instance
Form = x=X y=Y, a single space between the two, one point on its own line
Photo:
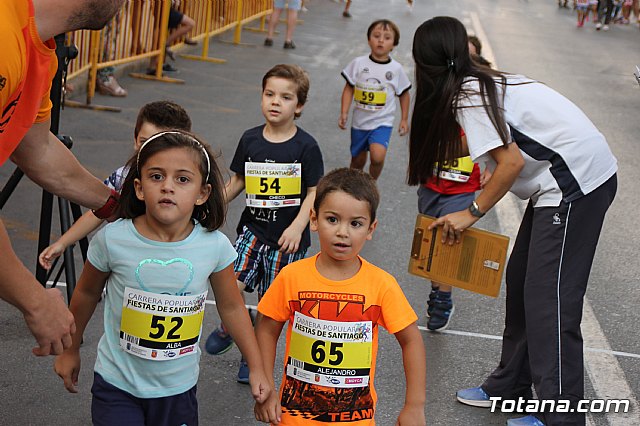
x=109 y=208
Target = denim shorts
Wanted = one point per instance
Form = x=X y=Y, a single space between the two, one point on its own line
x=361 y=139
x=435 y=204
x=258 y=264
x=291 y=4
x=113 y=406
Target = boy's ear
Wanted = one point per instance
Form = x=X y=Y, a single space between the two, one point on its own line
x=313 y=220
x=137 y=186
x=372 y=228
x=205 y=192
x=299 y=109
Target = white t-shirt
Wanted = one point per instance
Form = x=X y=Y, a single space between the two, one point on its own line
x=565 y=156
x=376 y=87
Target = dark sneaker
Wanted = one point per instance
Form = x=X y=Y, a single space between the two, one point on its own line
x=169 y=68
x=431 y=302
x=243 y=372
x=218 y=342
x=441 y=314
x=346 y=14
x=525 y=421
x=475 y=397
x=289 y=45
x=268 y=42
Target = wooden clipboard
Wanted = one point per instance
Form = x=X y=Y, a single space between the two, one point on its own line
x=475 y=264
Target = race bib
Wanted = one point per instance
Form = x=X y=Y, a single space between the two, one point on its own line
x=160 y=327
x=459 y=170
x=370 y=97
x=330 y=353
x=273 y=184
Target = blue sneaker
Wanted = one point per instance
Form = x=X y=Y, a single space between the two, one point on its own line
x=218 y=342
x=475 y=397
x=525 y=421
x=243 y=372
x=433 y=294
x=441 y=314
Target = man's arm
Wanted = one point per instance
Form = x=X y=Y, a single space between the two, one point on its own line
x=49 y=163
x=44 y=311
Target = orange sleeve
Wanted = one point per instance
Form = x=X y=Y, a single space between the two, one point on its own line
x=397 y=313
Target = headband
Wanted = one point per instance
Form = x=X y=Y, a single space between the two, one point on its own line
x=172 y=132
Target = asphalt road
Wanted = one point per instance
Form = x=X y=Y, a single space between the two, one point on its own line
x=535 y=38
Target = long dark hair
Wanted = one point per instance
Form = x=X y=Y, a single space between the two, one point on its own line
x=441 y=54
x=211 y=214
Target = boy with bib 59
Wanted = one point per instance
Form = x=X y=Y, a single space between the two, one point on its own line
x=372 y=83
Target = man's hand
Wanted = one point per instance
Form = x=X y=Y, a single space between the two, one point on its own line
x=51 y=323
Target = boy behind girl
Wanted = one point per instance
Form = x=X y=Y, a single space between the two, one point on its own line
x=334 y=303
x=154 y=117
x=372 y=83
x=278 y=165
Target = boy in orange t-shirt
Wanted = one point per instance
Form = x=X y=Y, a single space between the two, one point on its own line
x=334 y=303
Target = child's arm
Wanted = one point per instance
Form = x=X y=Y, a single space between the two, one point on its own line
x=86 y=224
x=267 y=332
x=234 y=187
x=236 y=319
x=405 y=101
x=345 y=104
x=290 y=239
x=83 y=303
x=415 y=372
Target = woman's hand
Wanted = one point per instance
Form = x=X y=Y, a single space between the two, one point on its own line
x=453 y=225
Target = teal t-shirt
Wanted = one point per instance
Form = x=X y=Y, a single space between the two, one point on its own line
x=148 y=275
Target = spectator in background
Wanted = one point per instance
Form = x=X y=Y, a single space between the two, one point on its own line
x=293 y=6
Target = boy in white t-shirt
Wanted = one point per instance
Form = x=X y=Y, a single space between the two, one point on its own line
x=372 y=83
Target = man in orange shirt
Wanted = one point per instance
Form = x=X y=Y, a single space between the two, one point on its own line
x=27 y=66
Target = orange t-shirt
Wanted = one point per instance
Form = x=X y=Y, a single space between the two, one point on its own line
x=332 y=340
x=27 y=66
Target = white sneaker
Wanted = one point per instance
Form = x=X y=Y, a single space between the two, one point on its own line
x=605 y=28
x=598 y=26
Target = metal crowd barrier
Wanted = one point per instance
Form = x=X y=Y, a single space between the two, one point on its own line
x=140 y=29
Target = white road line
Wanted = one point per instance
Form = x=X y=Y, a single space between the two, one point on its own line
x=604 y=371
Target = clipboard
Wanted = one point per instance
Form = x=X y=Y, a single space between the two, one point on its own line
x=475 y=264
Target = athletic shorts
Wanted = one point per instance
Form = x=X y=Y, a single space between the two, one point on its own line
x=175 y=17
x=582 y=7
x=291 y=4
x=258 y=264
x=435 y=204
x=113 y=406
x=361 y=139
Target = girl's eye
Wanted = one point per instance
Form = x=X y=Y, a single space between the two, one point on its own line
x=356 y=224
x=156 y=176
x=183 y=179
x=332 y=219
